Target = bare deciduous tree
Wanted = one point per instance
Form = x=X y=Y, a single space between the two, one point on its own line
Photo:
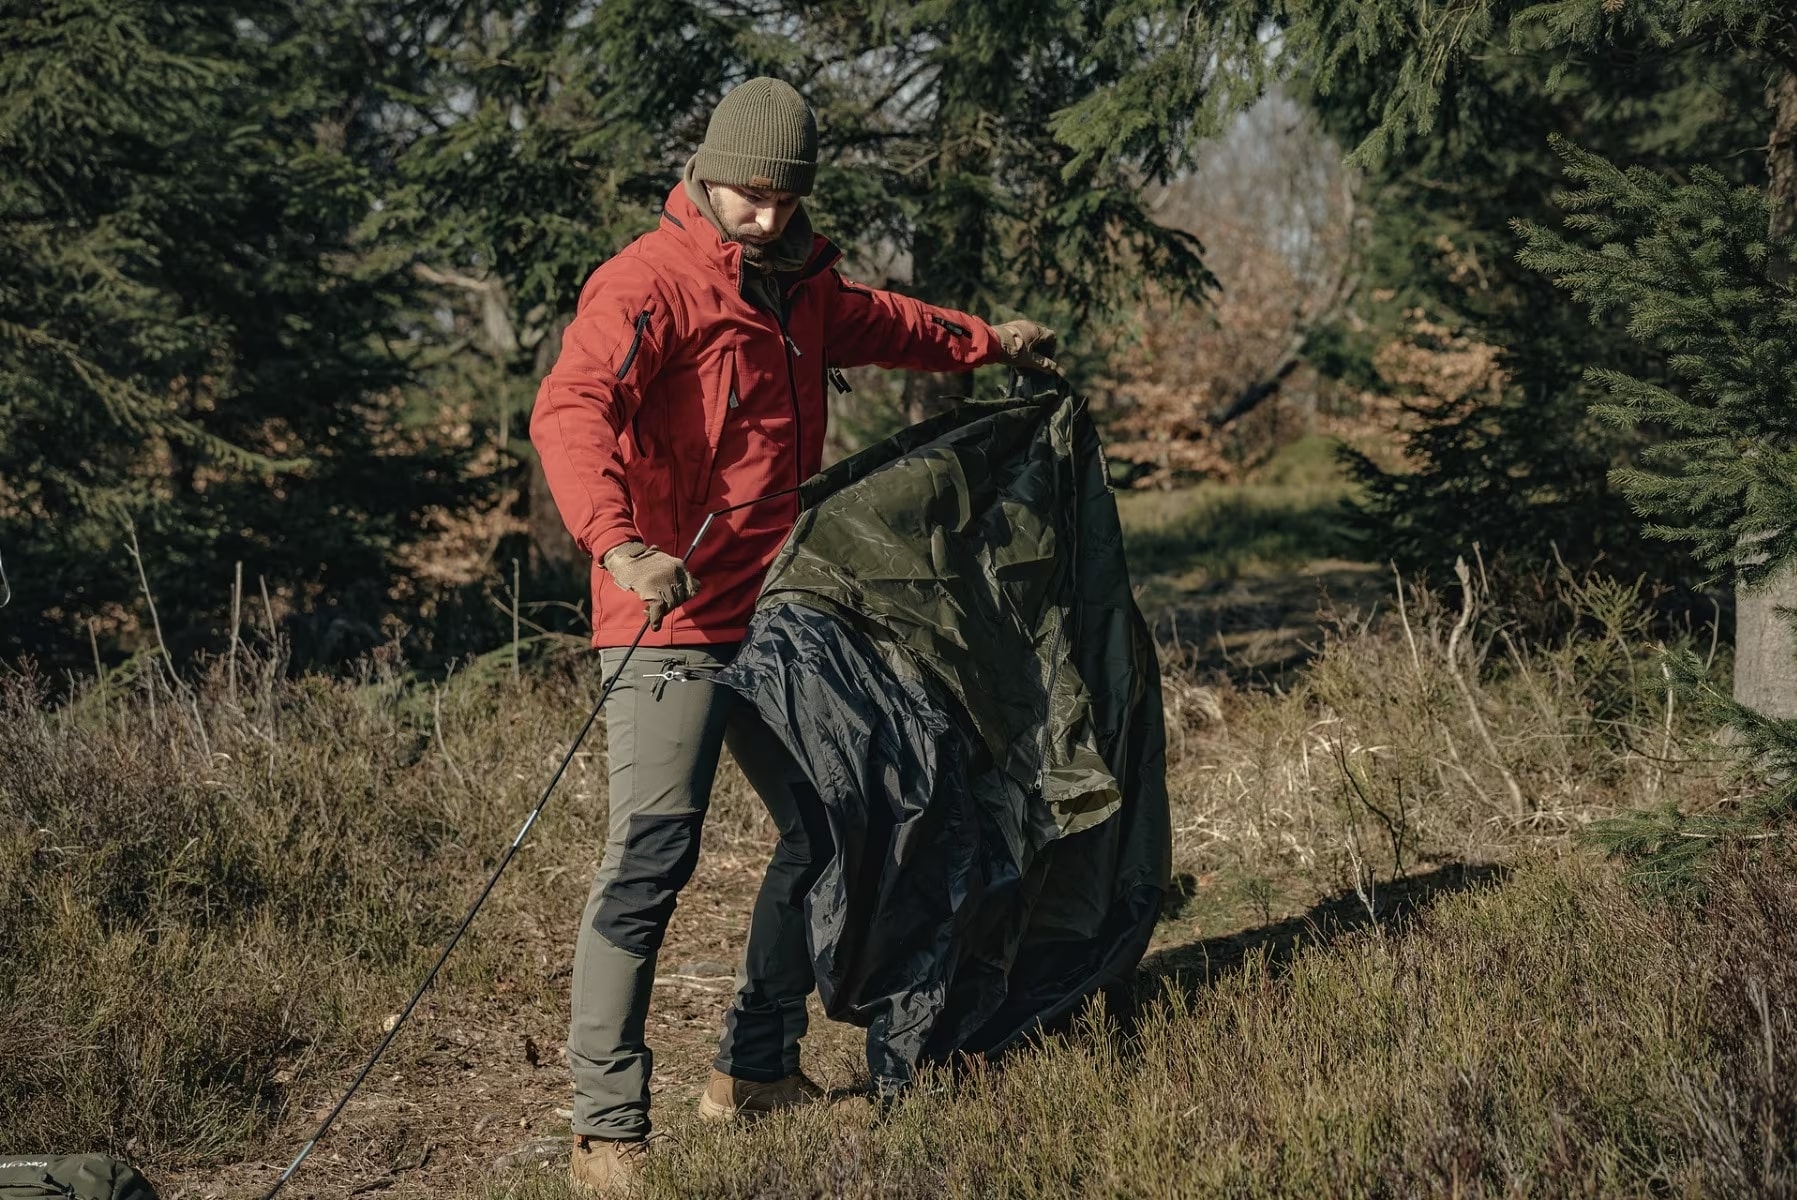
x=1275 y=210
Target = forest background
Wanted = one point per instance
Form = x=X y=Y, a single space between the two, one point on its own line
x=283 y=277
x=279 y=278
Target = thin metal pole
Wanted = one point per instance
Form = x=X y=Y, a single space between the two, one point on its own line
x=705 y=525
x=510 y=852
x=468 y=920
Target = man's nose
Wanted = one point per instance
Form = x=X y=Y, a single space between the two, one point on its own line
x=765 y=220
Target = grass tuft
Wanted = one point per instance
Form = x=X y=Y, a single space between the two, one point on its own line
x=1386 y=969
x=1560 y=1035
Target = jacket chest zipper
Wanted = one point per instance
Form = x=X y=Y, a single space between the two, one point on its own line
x=798 y=422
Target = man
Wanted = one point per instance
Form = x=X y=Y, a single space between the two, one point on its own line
x=693 y=379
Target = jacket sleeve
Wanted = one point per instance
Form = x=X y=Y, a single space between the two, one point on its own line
x=615 y=344
x=882 y=328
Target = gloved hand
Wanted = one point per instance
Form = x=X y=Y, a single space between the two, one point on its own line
x=1027 y=346
x=660 y=579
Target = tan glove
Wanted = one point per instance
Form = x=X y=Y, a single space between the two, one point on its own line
x=1027 y=346
x=660 y=579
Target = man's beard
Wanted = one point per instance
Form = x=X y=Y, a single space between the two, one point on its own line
x=788 y=252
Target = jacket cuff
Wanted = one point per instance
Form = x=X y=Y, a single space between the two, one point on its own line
x=606 y=534
x=986 y=346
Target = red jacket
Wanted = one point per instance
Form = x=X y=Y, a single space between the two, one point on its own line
x=674 y=396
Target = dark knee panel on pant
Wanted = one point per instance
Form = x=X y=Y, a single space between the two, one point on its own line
x=658 y=858
x=803 y=852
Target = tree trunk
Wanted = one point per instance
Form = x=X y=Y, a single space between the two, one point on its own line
x=941 y=267
x=949 y=243
x=1765 y=640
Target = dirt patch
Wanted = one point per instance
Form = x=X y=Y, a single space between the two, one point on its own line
x=1258 y=629
x=484 y=1089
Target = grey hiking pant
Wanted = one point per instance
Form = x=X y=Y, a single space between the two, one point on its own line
x=663 y=740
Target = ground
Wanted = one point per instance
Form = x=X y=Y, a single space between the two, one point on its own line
x=1237 y=582
x=492 y=1093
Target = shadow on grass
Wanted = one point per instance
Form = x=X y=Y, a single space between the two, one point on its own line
x=1190 y=969
x=1261 y=634
x=1197 y=964
x=1236 y=581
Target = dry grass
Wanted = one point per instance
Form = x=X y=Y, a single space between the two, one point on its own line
x=1404 y=743
x=209 y=902
x=1557 y=1036
x=211 y=893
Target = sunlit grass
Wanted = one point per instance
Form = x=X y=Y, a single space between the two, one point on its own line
x=1289 y=514
x=211 y=894
x=1554 y=1036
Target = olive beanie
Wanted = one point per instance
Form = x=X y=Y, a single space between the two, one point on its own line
x=762 y=135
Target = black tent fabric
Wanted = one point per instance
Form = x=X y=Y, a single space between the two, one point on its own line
x=949 y=647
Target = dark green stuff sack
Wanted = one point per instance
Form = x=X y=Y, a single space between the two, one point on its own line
x=71 y=1177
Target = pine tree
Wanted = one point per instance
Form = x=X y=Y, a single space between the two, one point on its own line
x=1700 y=269
x=1761 y=35
x=100 y=365
x=187 y=349
x=954 y=150
x=1688 y=263
x=1521 y=469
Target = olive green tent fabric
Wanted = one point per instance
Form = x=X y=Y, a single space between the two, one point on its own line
x=970 y=562
x=949 y=647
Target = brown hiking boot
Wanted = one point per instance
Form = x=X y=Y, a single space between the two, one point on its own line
x=605 y=1167
x=726 y=1098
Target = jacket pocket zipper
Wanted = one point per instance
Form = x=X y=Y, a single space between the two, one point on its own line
x=699 y=488
x=636 y=341
x=949 y=325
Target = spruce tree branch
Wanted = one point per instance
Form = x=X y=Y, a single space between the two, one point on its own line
x=906 y=81
x=136 y=409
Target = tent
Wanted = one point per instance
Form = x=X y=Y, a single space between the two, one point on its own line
x=949 y=647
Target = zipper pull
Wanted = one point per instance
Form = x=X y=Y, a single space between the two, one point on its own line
x=792 y=346
x=733 y=400
x=839 y=381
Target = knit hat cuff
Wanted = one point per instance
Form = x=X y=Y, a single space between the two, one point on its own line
x=754 y=171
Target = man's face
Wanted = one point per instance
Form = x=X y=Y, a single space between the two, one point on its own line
x=752 y=215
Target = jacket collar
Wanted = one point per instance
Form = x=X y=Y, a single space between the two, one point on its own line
x=695 y=233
